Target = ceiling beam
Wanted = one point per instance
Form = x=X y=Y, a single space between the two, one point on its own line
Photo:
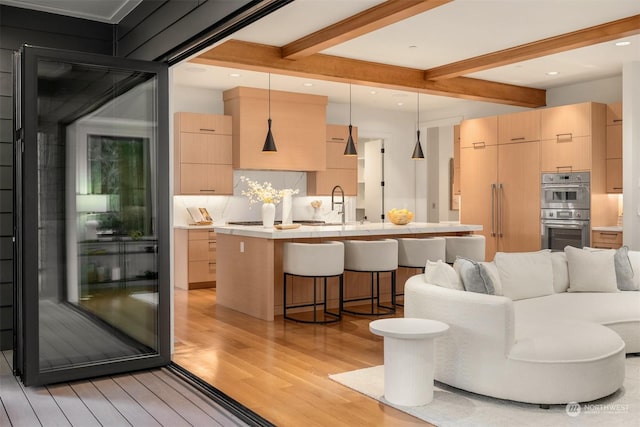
x=372 y=19
x=586 y=37
x=258 y=57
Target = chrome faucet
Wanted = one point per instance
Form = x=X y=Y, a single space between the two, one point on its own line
x=341 y=202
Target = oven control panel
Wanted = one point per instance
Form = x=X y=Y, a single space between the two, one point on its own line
x=564 y=214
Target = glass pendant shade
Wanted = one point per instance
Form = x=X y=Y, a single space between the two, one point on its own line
x=350 y=149
x=417 y=150
x=269 y=143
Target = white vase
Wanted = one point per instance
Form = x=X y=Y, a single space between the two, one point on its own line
x=268 y=215
x=287 y=209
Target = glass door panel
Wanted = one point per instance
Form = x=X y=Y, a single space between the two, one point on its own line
x=93 y=232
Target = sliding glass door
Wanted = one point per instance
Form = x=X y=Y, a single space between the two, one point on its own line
x=92 y=203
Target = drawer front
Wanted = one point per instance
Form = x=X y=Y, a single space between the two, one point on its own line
x=608 y=237
x=202 y=271
x=201 y=250
x=200 y=234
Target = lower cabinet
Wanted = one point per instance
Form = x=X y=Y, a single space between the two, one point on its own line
x=195 y=258
x=606 y=239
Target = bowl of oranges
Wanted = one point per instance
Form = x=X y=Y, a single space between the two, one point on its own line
x=400 y=216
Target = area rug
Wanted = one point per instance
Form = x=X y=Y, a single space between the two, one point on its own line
x=455 y=407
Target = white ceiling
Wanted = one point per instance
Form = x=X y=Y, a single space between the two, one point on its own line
x=452 y=32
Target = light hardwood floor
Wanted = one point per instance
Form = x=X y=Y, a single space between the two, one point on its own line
x=280 y=369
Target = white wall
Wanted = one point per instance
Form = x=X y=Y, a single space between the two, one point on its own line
x=631 y=154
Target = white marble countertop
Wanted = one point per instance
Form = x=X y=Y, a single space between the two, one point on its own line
x=195 y=227
x=350 y=229
x=614 y=228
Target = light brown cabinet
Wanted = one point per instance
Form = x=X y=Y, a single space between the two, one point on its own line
x=500 y=186
x=614 y=148
x=298 y=127
x=456 y=160
x=195 y=258
x=203 y=154
x=519 y=127
x=479 y=132
x=606 y=239
x=572 y=138
x=341 y=170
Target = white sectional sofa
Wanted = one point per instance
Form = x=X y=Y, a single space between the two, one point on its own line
x=553 y=332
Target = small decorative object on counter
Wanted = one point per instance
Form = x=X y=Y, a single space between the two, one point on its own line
x=316 y=204
x=400 y=216
x=268 y=195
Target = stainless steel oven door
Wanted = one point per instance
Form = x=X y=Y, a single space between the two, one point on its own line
x=556 y=234
x=565 y=196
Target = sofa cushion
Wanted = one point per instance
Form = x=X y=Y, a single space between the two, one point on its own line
x=634 y=259
x=624 y=270
x=525 y=274
x=492 y=271
x=560 y=271
x=591 y=271
x=442 y=274
x=473 y=276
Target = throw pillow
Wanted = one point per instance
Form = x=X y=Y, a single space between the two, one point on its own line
x=525 y=274
x=624 y=270
x=494 y=275
x=591 y=271
x=474 y=277
x=560 y=272
x=442 y=274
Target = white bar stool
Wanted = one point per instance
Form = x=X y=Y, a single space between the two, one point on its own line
x=316 y=260
x=471 y=246
x=373 y=257
x=414 y=253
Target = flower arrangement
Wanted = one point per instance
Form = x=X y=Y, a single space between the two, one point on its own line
x=264 y=193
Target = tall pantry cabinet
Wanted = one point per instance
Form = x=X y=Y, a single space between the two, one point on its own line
x=500 y=180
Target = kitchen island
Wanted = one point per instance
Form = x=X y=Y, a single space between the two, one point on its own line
x=249 y=260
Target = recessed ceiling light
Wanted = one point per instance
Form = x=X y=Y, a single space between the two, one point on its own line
x=234 y=75
x=552 y=73
x=373 y=92
x=624 y=43
x=307 y=84
x=413 y=46
x=400 y=104
x=195 y=69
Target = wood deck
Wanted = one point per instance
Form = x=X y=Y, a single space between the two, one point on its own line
x=149 y=398
x=280 y=369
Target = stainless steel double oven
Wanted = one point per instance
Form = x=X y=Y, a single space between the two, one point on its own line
x=565 y=210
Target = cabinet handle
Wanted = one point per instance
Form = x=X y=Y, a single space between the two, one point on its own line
x=564 y=137
x=570 y=168
x=337 y=139
x=617 y=120
x=493 y=209
x=480 y=144
x=212 y=189
x=500 y=210
x=604 y=233
x=617 y=188
x=521 y=138
x=207 y=130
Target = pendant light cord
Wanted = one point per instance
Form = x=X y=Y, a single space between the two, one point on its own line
x=269 y=96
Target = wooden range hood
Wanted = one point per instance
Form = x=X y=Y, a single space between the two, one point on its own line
x=299 y=129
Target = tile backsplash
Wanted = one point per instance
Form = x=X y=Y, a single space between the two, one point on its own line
x=237 y=207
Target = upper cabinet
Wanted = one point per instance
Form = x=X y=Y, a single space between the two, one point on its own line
x=519 y=127
x=614 y=148
x=202 y=161
x=341 y=170
x=573 y=138
x=479 y=132
x=298 y=127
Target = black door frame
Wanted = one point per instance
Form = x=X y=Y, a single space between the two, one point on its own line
x=26 y=356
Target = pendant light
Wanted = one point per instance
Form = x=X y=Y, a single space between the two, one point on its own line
x=350 y=148
x=417 y=150
x=269 y=143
